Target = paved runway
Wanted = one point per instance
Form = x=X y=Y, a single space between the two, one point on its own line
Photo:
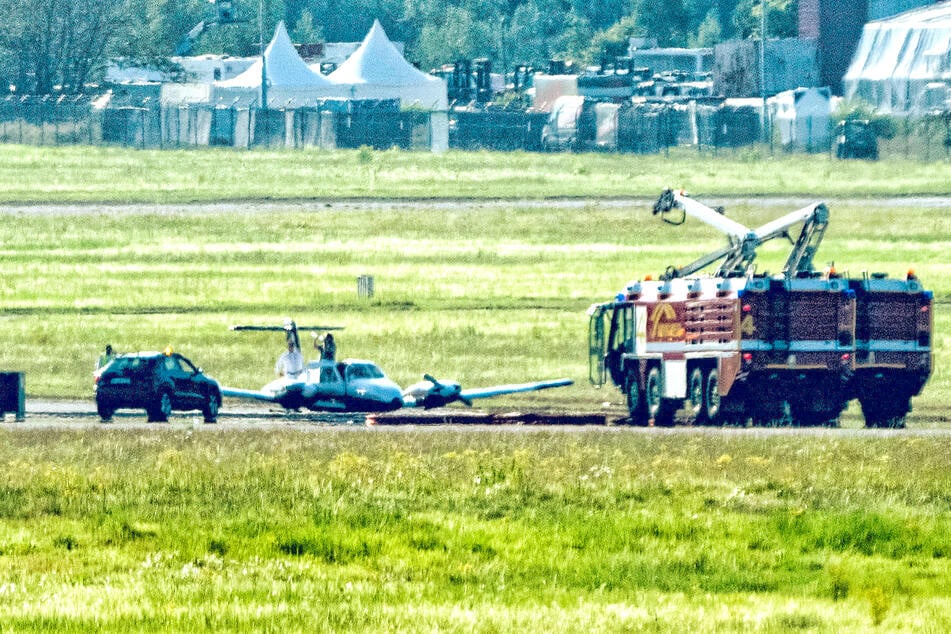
x=74 y=414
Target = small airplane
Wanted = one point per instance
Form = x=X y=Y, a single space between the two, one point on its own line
x=358 y=385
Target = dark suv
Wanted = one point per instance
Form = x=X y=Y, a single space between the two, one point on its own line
x=158 y=382
x=856 y=138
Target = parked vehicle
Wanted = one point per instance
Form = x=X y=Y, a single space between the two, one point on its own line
x=570 y=124
x=792 y=348
x=159 y=382
x=856 y=138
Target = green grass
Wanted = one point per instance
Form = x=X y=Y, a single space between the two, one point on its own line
x=84 y=174
x=187 y=527
x=451 y=530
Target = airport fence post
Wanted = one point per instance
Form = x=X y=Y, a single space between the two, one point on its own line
x=365 y=286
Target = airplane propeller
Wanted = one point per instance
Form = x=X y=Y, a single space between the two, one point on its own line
x=442 y=394
x=289 y=328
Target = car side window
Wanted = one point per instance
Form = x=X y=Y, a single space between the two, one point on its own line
x=174 y=365
x=187 y=366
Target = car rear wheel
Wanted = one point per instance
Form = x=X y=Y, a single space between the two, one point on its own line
x=105 y=410
x=161 y=409
x=210 y=410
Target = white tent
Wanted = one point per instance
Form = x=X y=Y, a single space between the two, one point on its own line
x=899 y=60
x=804 y=118
x=377 y=70
x=289 y=80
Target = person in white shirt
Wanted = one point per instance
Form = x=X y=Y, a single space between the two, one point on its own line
x=291 y=363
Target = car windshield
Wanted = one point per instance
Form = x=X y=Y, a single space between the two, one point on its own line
x=364 y=371
x=131 y=365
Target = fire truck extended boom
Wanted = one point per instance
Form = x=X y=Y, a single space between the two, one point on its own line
x=738 y=256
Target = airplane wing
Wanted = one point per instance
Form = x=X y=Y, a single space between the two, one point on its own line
x=499 y=390
x=248 y=394
x=431 y=392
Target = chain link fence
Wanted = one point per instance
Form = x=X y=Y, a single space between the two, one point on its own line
x=645 y=128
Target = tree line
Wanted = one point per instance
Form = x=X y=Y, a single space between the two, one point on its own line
x=60 y=46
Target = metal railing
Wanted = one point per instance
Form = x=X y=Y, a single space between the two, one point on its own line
x=632 y=128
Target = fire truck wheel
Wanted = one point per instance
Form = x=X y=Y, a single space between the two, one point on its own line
x=653 y=395
x=889 y=415
x=770 y=412
x=711 y=397
x=695 y=397
x=636 y=403
x=814 y=418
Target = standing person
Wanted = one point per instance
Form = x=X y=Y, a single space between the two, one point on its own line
x=291 y=363
x=328 y=351
x=105 y=358
x=327 y=347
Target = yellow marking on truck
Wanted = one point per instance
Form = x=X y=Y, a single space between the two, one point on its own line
x=746 y=326
x=665 y=323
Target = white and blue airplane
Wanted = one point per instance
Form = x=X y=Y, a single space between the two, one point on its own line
x=357 y=385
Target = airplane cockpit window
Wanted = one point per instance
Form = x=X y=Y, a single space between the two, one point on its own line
x=364 y=371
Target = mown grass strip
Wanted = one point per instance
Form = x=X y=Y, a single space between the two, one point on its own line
x=112 y=174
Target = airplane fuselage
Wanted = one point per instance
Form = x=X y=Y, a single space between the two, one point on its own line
x=352 y=386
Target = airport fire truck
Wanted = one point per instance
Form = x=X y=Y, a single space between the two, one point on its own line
x=737 y=346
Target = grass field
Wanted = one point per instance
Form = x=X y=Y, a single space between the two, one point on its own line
x=210 y=528
x=44 y=174
x=465 y=530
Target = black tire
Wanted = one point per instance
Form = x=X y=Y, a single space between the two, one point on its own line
x=636 y=401
x=815 y=418
x=770 y=413
x=652 y=392
x=660 y=409
x=890 y=422
x=695 y=397
x=161 y=409
x=211 y=407
x=885 y=415
x=711 y=397
x=105 y=410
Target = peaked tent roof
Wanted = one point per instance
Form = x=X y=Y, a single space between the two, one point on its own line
x=285 y=68
x=377 y=61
